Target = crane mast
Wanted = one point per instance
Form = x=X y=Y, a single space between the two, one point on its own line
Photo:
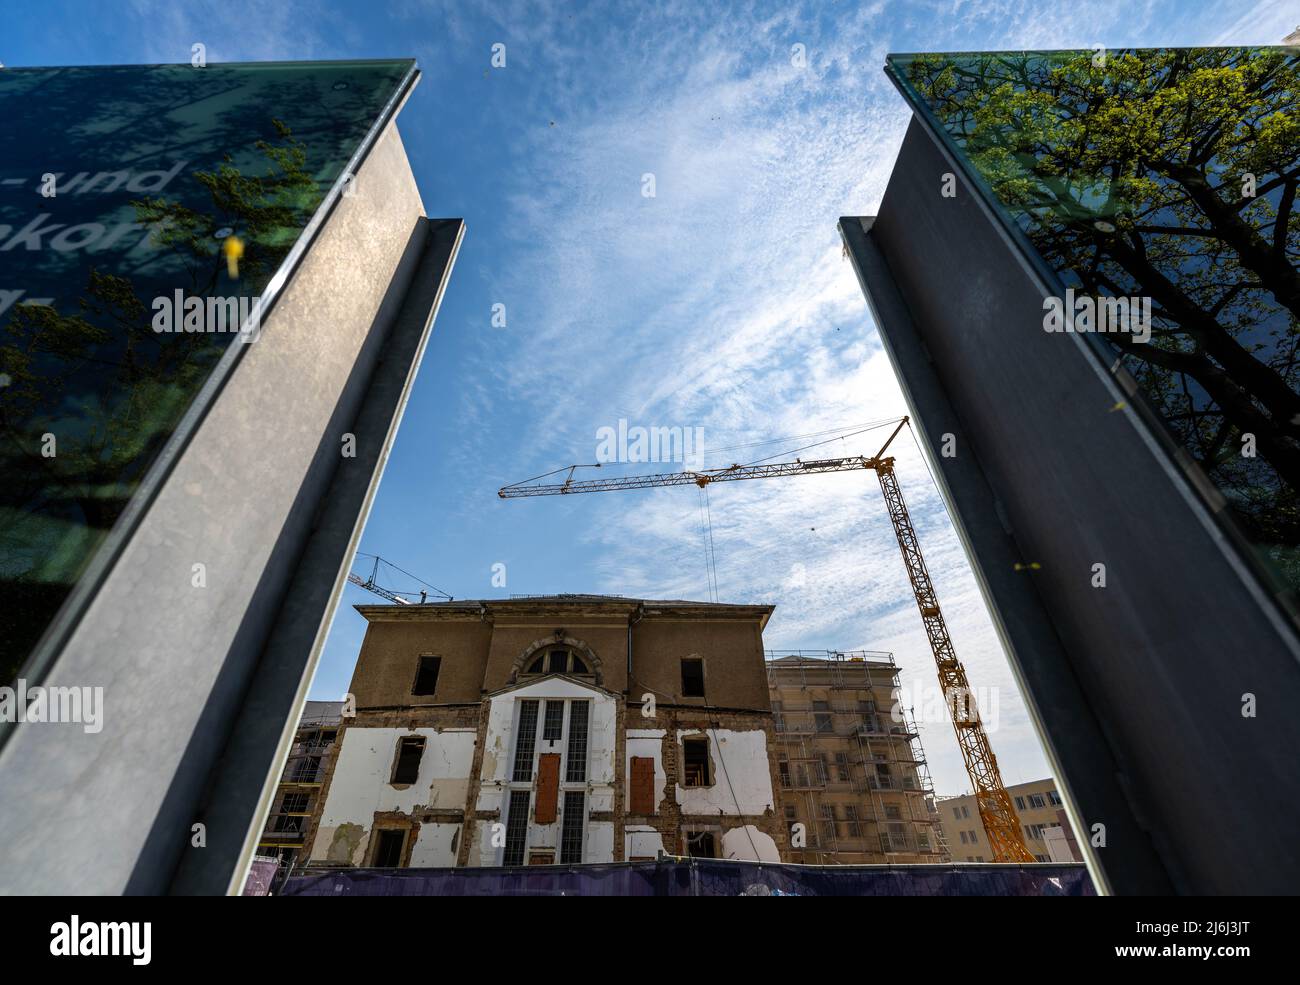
x=1001 y=823
x=997 y=814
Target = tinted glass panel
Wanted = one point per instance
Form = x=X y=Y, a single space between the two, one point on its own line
x=143 y=210
x=1168 y=178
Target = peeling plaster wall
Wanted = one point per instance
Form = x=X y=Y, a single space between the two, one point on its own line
x=642 y=840
x=600 y=842
x=435 y=846
x=498 y=767
x=359 y=787
x=736 y=844
x=747 y=769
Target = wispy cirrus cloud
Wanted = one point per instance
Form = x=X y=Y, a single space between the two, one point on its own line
x=722 y=302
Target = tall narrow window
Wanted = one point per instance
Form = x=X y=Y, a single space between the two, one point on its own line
x=554 y=722
x=526 y=742
x=575 y=814
x=409 y=751
x=559 y=661
x=695 y=762
x=576 y=770
x=692 y=677
x=516 y=828
x=426 y=677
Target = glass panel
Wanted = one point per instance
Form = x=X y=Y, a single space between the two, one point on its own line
x=516 y=828
x=1166 y=177
x=576 y=767
x=554 y=725
x=135 y=238
x=526 y=743
x=575 y=814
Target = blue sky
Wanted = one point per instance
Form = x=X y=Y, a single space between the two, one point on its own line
x=721 y=303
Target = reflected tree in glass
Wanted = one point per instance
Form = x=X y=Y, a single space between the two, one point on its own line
x=1168 y=174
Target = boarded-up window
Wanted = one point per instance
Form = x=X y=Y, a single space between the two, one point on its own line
x=426 y=678
x=643 y=785
x=692 y=677
x=548 y=787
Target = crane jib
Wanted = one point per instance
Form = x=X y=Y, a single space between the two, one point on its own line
x=997 y=813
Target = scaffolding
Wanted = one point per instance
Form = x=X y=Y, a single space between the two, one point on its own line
x=850 y=760
x=287 y=823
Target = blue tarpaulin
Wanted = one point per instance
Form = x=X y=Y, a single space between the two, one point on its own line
x=699 y=877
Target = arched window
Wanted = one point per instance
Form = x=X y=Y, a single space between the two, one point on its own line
x=558 y=660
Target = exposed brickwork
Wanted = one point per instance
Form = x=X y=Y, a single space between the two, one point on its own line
x=485 y=647
x=669 y=818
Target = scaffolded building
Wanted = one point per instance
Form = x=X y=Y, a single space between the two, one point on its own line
x=854 y=781
x=297 y=797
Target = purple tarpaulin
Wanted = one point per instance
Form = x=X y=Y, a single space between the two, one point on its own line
x=260 y=874
x=699 y=877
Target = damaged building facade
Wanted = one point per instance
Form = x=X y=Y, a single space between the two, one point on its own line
x=554 y=730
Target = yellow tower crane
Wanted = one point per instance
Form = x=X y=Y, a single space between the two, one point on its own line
x=997 y=814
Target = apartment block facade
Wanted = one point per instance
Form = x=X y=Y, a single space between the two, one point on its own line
x=1042 y=819
x=853 y=776
x=554 y=730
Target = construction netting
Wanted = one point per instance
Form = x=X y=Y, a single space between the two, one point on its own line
x=698 y=877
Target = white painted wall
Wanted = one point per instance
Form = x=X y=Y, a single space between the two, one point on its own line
x=747 y=769
x=640 y=839
x=360 y=786
x=736 y=843
x=435 y=846
x=600 y=842
x=498 y=766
